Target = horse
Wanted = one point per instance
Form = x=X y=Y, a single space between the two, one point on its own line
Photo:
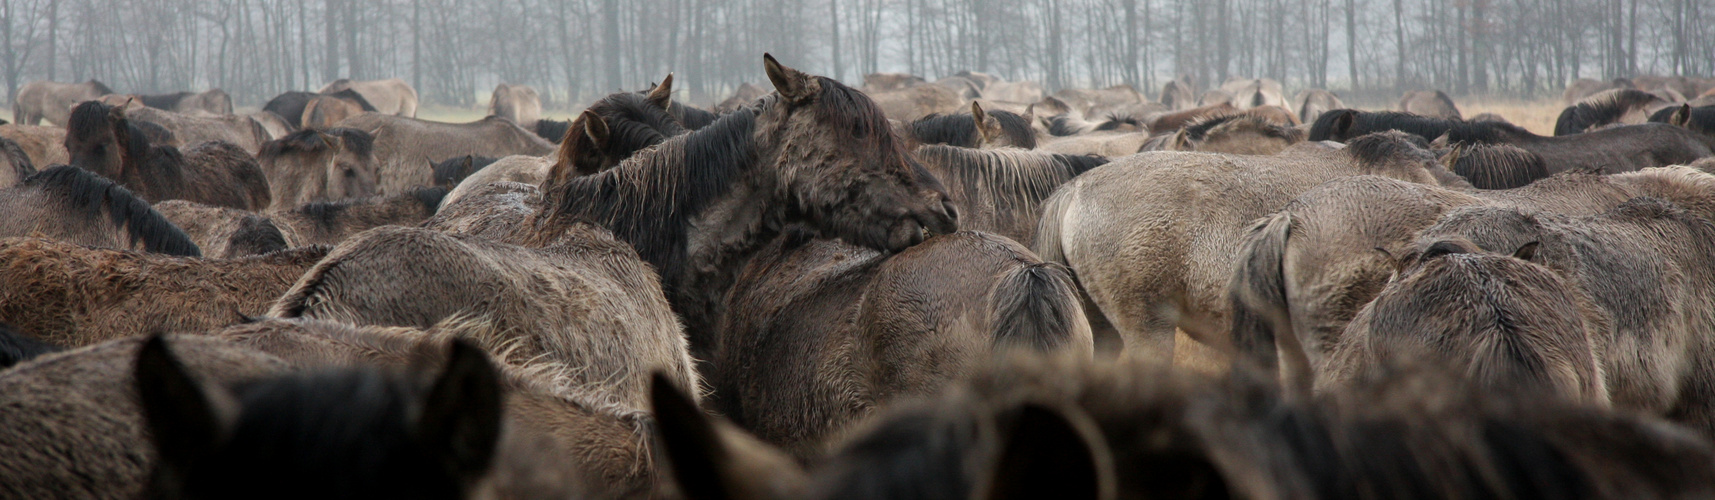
x=319 y=165
x=519 y=103
x=1611 y=150
x=404 y=147
x=53 y=101
x=1641 y=265
x=1179 y=95
x=1342 y=125
x=994 y=129
x=1147 y=276
x=330 y=222
x=1430 y=103
x=211 y=101
x=224 y=233
x=391 y=96
x=325 y=111
x=911 y=103
x=241 y=131
x=1240 y=134
x=1585 y=87
x=44 y=145
x=1164 y=122
x=1500 y=320
x=744 y=95
x=290 y=105
x=102 y=139
x=1304 y=271
x=1500 y=166
x=73 y=295
x=1310 y=104
x=74 y=205
x=273 y=124
x=696 y=206
x=1628 y=106
x=15 y=164
x=1251 y=93
x=451 y=171
x=1700 y=119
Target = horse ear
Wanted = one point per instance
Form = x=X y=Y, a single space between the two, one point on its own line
x=694 y=449
x=186 y=422
x=1681 y=117
x=1053 y=454
x=1528 y=251
x=981 y=119
x=1452 y=157
x=596 y=129
x=1343 y=123
x=1397 y=262
x=662 y=95
x=462 y=415
x=793 y=85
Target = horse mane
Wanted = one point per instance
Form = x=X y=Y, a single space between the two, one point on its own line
x=310 y=141
x=1017 y=128
x=1014 y=178
x=1063 y=125
x=1603 y=107
x=1376 y=121
x=451 y=171
x=1116 y=120
x=1383 y=147
x=91 y=194
x=552 y=130
x=355 y=97
x=1498 y=166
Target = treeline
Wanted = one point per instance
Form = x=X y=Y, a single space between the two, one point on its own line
x=454 y=51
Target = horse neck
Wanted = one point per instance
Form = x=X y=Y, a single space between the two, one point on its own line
x=158 y=176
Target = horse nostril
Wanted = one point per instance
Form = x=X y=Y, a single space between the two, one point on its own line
x=951 y=211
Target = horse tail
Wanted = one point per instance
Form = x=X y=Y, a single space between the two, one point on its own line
x=1262 y=325
x=1036 y=306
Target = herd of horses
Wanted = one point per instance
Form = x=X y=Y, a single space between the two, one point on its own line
x=965 y=288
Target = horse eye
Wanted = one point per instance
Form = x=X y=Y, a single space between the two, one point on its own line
x=350 y=173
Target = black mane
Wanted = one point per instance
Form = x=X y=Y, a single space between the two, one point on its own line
x=633 y=123
x=355 y=97
x=91 y=194
x=21 y=164
x=163 y=101
x=1484 y=133
x=691 y=117
x=451 y=171
x=1199 y=130
x=1365 y=122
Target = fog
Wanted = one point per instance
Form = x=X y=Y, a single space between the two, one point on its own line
x=454 y=51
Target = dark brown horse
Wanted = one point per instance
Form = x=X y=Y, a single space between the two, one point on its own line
x=102 y=139
x=1610 y=150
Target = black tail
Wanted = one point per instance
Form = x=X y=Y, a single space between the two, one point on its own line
x=1035 y=306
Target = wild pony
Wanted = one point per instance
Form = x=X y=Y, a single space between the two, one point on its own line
x=818 y=333
x=330 y=222
x=224 y=233
x=1255 y=93
x=103 y=140
x=17 y=347
x=1309 y=104
x=1147 y=277
x=1342 y=125
x=694 y=208
x=1699 y=119
x=405 y=147
x=290 y=105
x=72 y=295
x=74 y=205
x=1624 y=106
x=1179 y=95
x=15 y=164
x=1499 y=166
x=1611 y=150
x=325 y=111
x=319 y=165
x=1165 y=122
x=1431 y=103
x=1639 y=264
x=241 y=131
x=391 y=96
x=53 y=101
x=1304 y=271
x=519 y=103
x=451 y=171
x=995 y=129
x=45 y=145
x=211 y=101
x=1234 y=134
